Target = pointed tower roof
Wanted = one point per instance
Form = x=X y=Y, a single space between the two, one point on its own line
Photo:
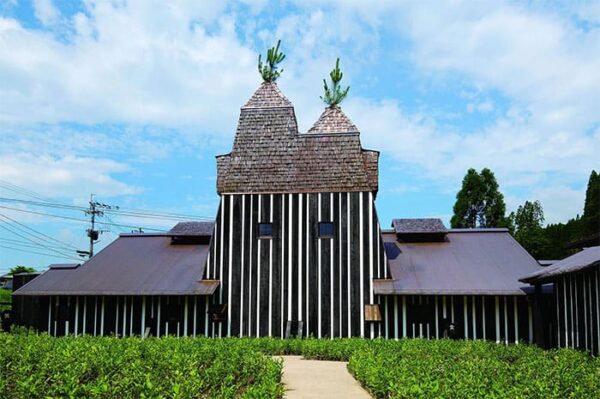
x=333 y=120
x=268 y=95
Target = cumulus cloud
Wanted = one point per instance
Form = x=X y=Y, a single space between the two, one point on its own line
x=67 y=177
x=188 y=66
x=45 y=11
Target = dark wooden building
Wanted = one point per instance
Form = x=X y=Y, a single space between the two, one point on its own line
x=459 y=283
x=140 y=284
x=296 y=249
x=575 y=307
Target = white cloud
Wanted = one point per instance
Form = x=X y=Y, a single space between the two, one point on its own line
x=68 y=177
x=172 y=63
x=45 y=11
x=183 y=65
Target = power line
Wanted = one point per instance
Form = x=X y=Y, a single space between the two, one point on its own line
x=60 y=252
x=39 y=253
x=21 y=190
x=77 y=219
x=18 y=242
x=47 y=237
x=122 y=212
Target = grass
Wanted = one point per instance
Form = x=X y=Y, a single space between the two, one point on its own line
x=40 y=366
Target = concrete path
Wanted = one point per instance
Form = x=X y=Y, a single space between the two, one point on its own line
x=319 y=379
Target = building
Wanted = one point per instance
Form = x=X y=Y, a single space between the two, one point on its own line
x=458 y=282
x=296 y=249
x=140 y=284
x=576 y=305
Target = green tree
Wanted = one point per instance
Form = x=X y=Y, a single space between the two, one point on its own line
x=334 y=94
x=268 y=70
x=21 y=269
x=479 y=203
x=591 y=208
x=527 y=223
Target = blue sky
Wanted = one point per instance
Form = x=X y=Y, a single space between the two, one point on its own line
x=131 y=100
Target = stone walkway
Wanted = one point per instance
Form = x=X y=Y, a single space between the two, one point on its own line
x=319 y=379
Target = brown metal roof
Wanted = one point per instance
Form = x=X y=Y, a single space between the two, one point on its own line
x=588 y=258
x=470 y=262
x=131 y=265
x=270 y=156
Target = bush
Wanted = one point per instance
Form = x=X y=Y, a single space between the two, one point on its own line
x=473 y=369
x=36 y=366
x=39 y=366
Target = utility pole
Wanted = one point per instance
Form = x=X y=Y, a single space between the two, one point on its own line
x=96 y=209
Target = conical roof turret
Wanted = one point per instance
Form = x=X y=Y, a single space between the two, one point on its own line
x=333 y=120
x=268 y=95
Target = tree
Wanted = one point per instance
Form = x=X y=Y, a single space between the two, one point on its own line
x=334 y=95
x=21 y=269
x=591 y=208
x=528 y=222
x=479 y=203
x=269 y=71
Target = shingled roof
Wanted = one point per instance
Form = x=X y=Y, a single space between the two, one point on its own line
x=268 y=95
x=270 y=156
x=333 y=120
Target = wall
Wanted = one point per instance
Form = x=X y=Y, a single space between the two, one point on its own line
x=124 y=315
x=577 y=310
x=496 y=318
x=323 y=282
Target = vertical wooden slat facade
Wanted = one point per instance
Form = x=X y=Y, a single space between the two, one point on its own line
x=296 y=275
x=577 y=316
x=124 y=316
x=503 y=319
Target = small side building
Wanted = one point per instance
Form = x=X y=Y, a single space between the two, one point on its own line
x=457 y=282
x=140 y=284
x=576 y=310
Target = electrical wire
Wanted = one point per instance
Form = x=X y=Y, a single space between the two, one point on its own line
x=39 y=253
x=44 y=237
x=60 y=252
x=79 y=220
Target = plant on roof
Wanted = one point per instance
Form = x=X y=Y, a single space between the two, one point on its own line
x=334 y=94
x=268 y=70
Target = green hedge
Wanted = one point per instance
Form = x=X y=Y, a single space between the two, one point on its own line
x=473 y=369
x=39 y=366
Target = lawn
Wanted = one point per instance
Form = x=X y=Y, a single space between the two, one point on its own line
x=40 y=366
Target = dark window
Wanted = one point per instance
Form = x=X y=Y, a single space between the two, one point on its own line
x=265 y=230
x=325 y=229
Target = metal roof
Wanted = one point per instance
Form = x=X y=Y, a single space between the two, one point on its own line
x=482 y=262
x=131 y=265
x=588 y=258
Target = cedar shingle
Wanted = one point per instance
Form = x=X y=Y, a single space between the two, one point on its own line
x=269 y=156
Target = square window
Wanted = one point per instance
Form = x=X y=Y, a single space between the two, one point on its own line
x=326 y=229
x=265 y=230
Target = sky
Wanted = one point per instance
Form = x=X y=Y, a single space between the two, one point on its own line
x=132 y=100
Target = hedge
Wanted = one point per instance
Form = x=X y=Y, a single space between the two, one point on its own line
x=473 y=369
x=39 y=366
